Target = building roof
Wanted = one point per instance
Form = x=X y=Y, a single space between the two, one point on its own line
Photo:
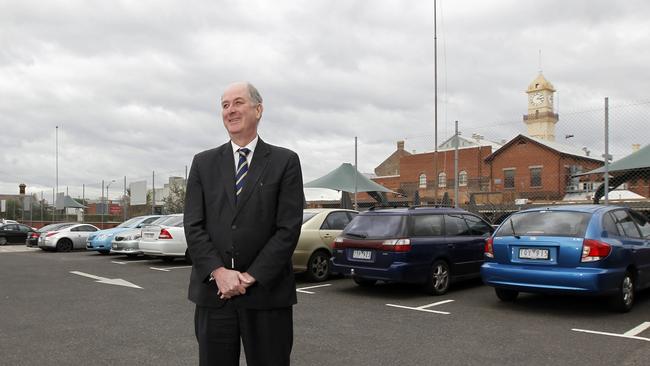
x=540 y=83
x=639 y=160
x=69 y=202
x=552 y=145
x=464 y=142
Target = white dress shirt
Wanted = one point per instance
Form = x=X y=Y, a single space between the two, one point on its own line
x=251 y=146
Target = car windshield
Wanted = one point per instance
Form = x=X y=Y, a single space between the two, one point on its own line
x=130 y=223
x=51 y=227
x=306 y=216
x=545 y=223
x=376 y=227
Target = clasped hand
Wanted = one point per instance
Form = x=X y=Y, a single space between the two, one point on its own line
x=231 y=283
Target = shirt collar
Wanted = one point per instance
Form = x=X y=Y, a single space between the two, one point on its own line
x=251 y=146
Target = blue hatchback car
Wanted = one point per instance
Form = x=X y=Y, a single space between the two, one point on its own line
x=579 y=249
x=426 y=245
x=102 y=240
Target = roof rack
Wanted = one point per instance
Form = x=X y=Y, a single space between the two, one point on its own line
x=430 y=206
x=381 y=206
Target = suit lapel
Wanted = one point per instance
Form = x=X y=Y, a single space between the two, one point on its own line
x=227 y=172
x=257 y=168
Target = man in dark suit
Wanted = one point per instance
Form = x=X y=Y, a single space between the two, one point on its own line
x=243 y=212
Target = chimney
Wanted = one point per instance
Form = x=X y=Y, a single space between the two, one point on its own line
x=635 y=147
x=400 y=145
x=21 y=189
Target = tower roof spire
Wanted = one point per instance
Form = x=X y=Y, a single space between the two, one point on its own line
x=540 y=83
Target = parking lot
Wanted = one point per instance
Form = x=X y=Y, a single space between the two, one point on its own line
x=83 y=308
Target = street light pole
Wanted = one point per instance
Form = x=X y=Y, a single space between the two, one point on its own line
x=106 y=203
x=56 y=193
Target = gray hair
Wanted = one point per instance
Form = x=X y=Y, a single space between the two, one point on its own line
x=254 y=93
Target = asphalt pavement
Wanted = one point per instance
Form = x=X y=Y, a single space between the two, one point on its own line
x=83 y=308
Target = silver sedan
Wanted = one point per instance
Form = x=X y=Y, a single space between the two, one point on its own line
x=66 y=238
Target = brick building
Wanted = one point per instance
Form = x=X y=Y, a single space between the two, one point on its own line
x=531 y=166
x=535 y=169
x=431 y=174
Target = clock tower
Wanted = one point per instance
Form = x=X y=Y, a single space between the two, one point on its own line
x=540 y=119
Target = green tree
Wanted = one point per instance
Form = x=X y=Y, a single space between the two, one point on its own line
x=175 y=201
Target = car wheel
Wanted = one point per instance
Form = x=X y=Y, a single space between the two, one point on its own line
x=188 y=259
x=363 y=282
x=3 y=240
x=438 y=283
x=506 y=295
x=318 y=266
x=168 y=259
x=624 y=298
x=64 y=245
x=104 y=252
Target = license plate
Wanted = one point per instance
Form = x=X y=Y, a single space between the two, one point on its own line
x=361 y=254
x=148 y=235
x=533 y=253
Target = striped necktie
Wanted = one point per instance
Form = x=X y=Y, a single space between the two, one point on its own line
x=242 y=170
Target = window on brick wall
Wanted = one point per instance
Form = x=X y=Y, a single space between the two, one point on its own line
x=508 y=178
x=423 y=180
x=442 y=180
x=462 y=178
x=536 y=177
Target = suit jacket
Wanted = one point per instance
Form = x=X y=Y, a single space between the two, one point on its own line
x=259 y=230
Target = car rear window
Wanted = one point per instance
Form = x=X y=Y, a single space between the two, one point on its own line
x=51 y=227
x=376 y=227
x=546 y=223
x=306 y=216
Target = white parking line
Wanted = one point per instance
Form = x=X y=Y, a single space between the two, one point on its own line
x=17 y=249
x=135 y=261
x=302 y=289
x=424 y=307
x=168 y=269
x=630 y=334
x=638 y=329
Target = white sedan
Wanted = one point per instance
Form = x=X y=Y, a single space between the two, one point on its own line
x=166 y=239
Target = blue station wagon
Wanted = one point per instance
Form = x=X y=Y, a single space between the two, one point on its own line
x=426 y=245
x=582 y=249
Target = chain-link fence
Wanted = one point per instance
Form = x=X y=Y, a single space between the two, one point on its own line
x=105 y=203
x=544 y=158
x=552 y=159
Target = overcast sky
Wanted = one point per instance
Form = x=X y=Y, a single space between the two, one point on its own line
x=134 y=86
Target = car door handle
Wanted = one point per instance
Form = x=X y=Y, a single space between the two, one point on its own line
x=451 y=245
x=327 y=236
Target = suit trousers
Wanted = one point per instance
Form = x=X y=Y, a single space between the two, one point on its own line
x=267 y=335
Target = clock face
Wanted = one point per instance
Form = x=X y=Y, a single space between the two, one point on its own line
x=537 y=99
x=550 y=99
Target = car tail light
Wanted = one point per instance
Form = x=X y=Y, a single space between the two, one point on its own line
x=164 y=234
x=594 y=250
x=51 y=233
x=337 y=243
x=489 y=247
x=34 y=235
x=396 y=245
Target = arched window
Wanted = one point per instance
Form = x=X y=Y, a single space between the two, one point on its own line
x=423 y=181
x=442 y=180
x=462 y=178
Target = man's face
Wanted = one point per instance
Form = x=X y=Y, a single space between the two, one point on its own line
x=240 y=114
